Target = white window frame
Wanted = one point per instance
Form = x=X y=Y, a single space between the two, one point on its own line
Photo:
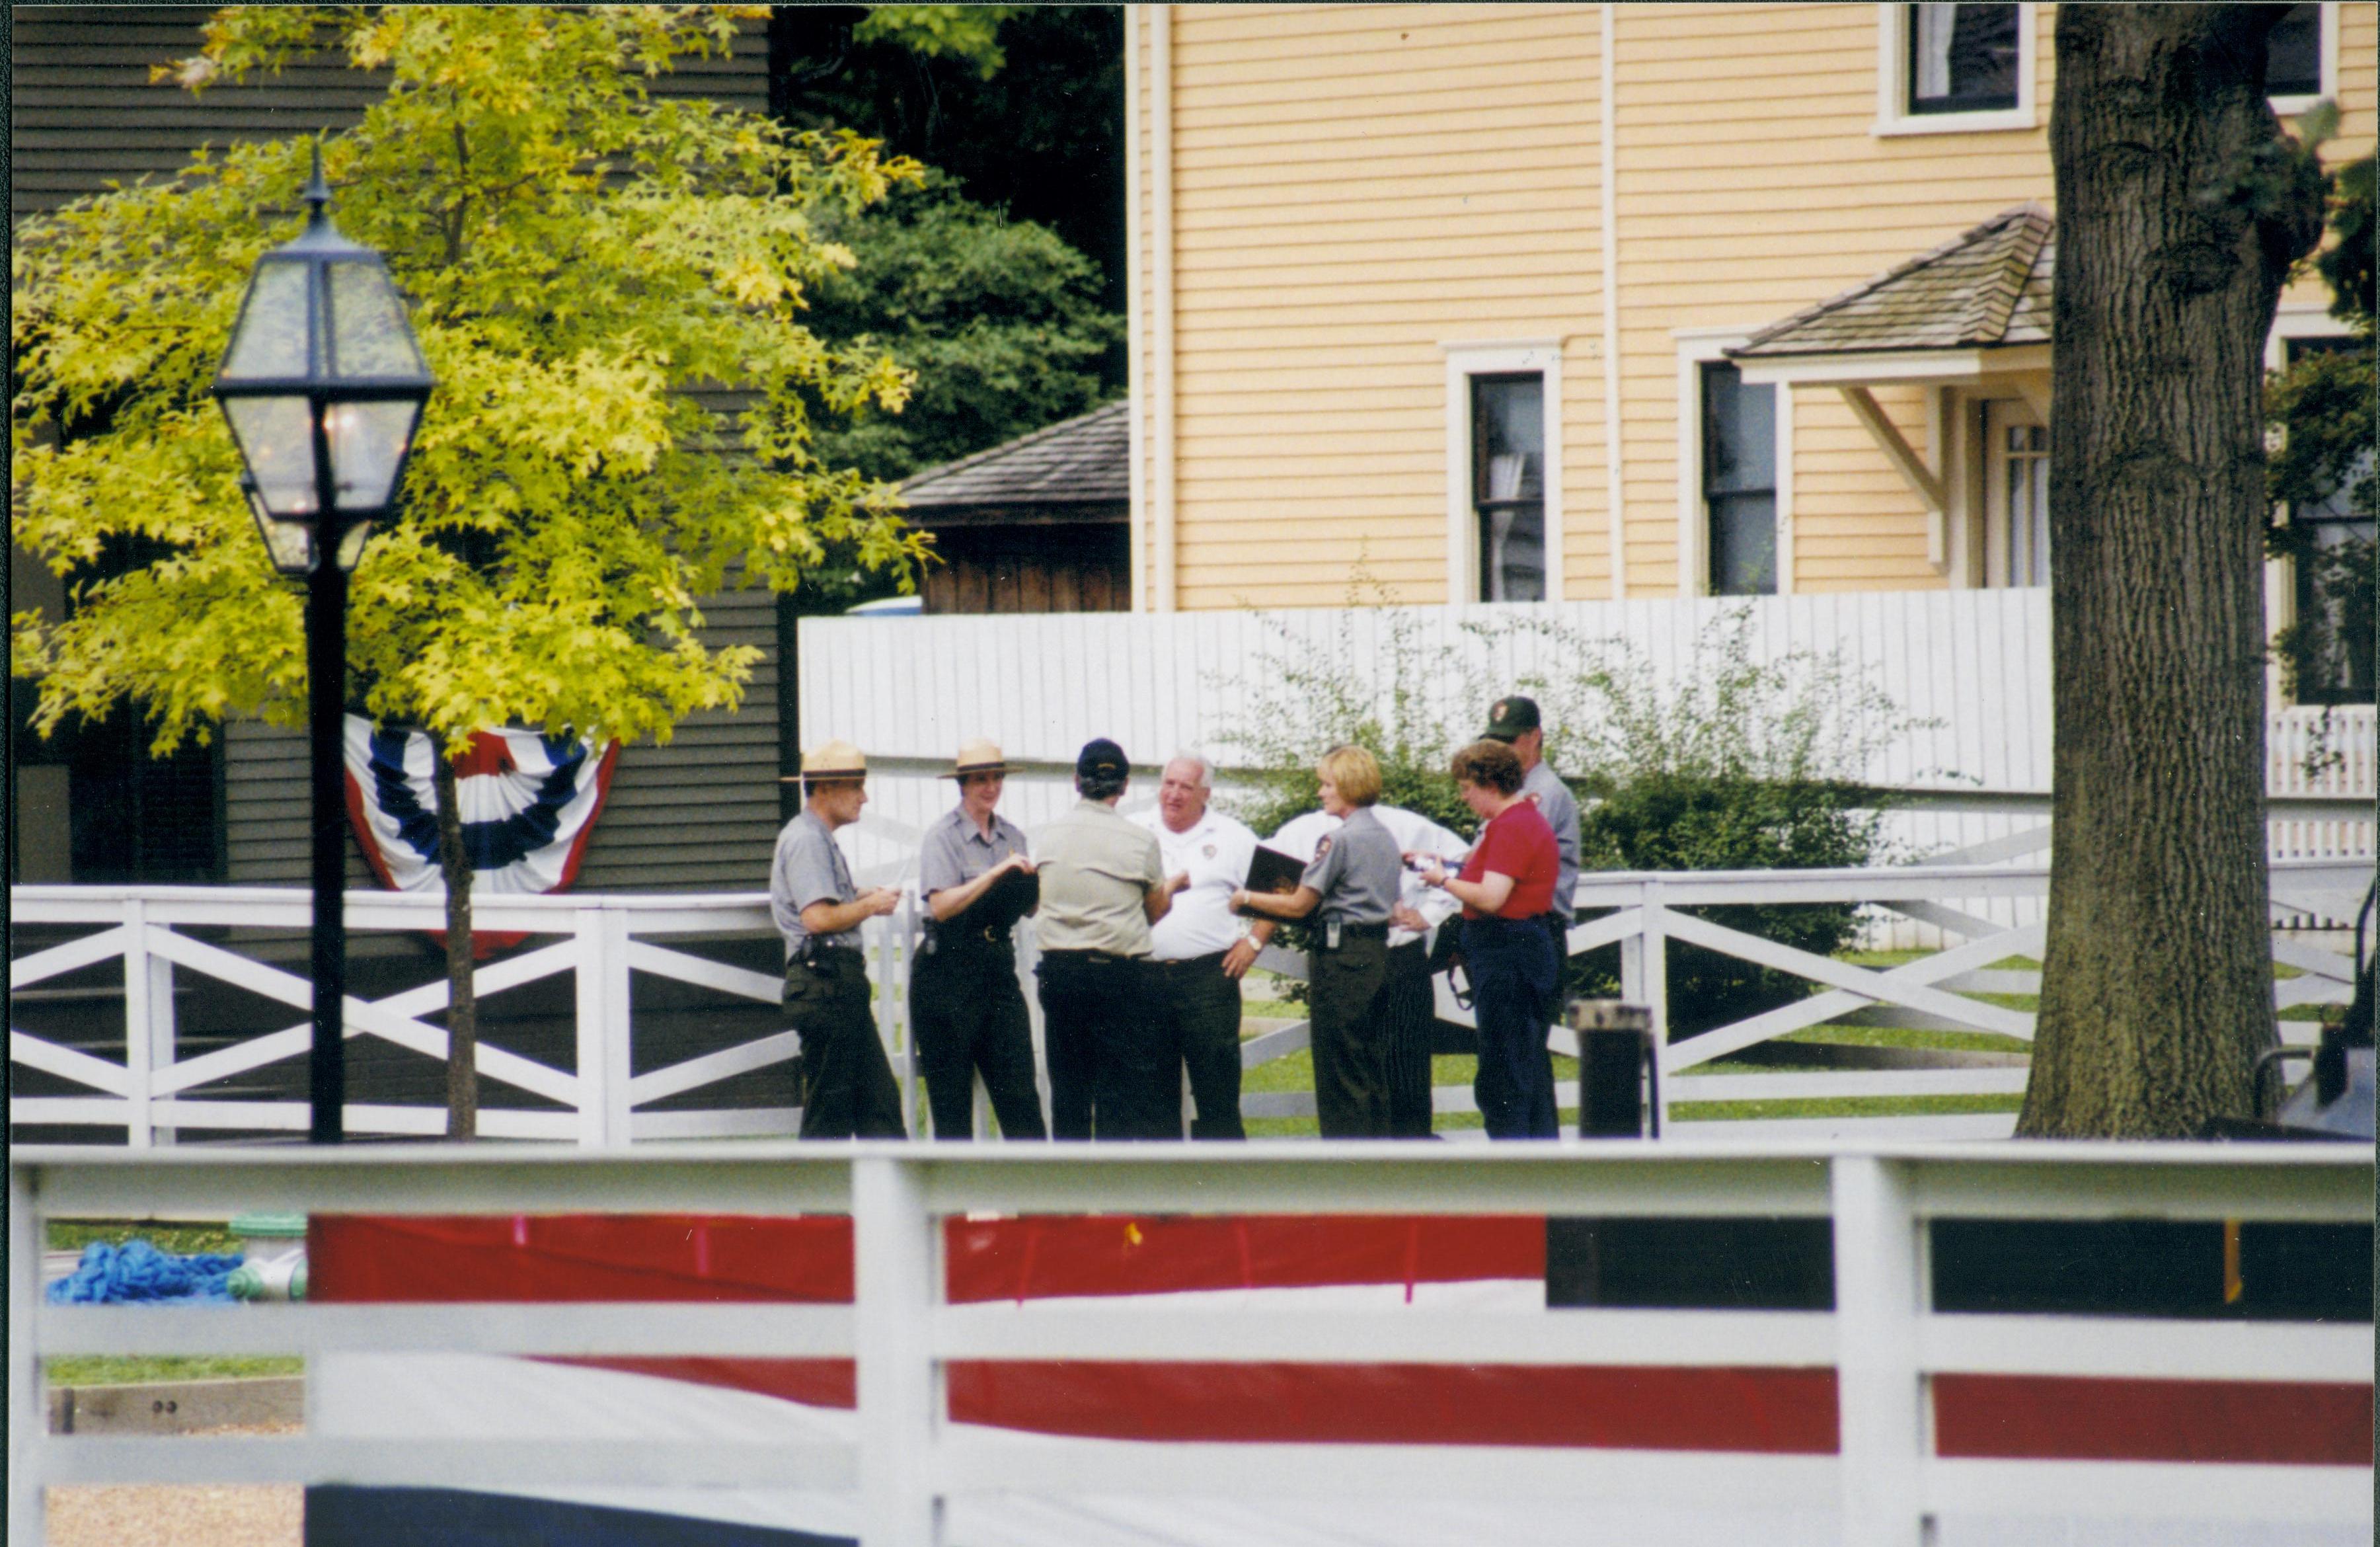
x=2291 y=105
x=1497 y=357
x=1892 y=114
x=1696 y=349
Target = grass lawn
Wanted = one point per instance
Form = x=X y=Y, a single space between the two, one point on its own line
x=113 y=1370
x=184 y=1238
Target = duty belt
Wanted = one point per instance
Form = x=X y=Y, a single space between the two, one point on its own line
x=970 y=935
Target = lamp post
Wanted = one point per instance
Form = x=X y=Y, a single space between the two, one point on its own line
x=323 y=385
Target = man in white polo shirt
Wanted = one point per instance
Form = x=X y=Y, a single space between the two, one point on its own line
x=1202 y=949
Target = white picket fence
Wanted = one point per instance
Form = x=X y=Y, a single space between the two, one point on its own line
x=156 y=1093
x=1973 y=663
x=918 y=1477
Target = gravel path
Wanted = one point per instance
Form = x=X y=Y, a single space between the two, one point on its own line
x=249 y=1514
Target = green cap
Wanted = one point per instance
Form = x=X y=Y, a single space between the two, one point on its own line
x=1510 y=717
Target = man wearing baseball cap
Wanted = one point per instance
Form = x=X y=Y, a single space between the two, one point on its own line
x=1105 y=1033
x=1514 y=722
x=847 y=1089
x=968 y=1013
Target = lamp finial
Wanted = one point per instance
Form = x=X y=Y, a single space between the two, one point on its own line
x=318 y=191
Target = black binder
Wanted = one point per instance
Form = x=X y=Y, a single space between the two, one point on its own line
x=1271 y=871
x=1008 y=899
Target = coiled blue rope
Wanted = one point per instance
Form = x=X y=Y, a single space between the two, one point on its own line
x=137 y=1272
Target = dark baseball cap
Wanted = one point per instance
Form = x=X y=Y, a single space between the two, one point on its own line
x=1101 y=759
x=1510 y=718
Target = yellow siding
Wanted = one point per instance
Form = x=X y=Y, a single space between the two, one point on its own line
x=1354 y=185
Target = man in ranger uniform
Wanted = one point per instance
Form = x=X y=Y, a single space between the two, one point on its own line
x=847 y=1090
x=1102 y=886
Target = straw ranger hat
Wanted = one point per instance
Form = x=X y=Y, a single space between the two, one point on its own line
x=836 y=760
x=978 y=756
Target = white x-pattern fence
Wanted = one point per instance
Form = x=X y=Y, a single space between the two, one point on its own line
x=155 y=1094
x=914 y=1472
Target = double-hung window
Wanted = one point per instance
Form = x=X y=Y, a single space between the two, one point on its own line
x=1739 y=483
x=1955 y=68
x=1508 y=485
x=1962 y=60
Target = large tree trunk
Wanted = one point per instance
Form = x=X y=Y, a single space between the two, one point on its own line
x=463 y=1007
x=2157 y=988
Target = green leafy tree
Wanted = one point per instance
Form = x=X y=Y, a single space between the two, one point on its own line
x=580 y=255
x=2324 y=405
x=1000 y=319
x=1040 y=137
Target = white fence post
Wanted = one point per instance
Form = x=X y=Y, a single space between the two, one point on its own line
x=1656 y=992
x=603 y=1027
x=28 y=1414
x=138 y=1046
x=1879 y=1390
x=896 y=1286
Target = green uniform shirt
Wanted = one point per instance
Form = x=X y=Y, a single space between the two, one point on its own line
x=1096 y=870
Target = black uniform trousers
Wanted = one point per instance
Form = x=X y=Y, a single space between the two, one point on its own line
x=847 y=1090
x=1412 y=1012
x=1350 y=1033
x=1205 y=1008
x=1109 y=1044
x=968 y=1013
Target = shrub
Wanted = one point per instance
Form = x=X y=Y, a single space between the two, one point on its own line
x=1736 y=763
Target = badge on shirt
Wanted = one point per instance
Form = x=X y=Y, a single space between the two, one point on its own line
x=1209 y=851
x=1322 y=848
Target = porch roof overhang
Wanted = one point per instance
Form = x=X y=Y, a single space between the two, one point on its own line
x=1973 y=313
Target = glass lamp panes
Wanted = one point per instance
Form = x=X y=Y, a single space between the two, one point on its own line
x=1962 y=58
x=1508 y=478
x=1740 y=482
x=368 y=322
x=2293 y=55
x=366 y=443
x=276 y=438
x=272 y=341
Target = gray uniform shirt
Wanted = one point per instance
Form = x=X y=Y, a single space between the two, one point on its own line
x=1560 y=808
x=954 y=851
x=1096 y=870
x=810 y=867
x=1357 y=870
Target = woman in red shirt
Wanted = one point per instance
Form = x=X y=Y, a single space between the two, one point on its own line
x=1507 y=881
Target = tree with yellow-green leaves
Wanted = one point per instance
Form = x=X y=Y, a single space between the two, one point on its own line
x=579 y=256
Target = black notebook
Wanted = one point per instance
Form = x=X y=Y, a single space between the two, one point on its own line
x=1005 y=901
x=1271 y=871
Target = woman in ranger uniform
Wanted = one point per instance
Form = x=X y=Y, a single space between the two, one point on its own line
x=1350 y=889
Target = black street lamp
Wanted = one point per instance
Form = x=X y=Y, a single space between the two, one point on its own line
x=323 y=385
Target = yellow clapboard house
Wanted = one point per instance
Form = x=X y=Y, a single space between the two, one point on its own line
x=1463 y=303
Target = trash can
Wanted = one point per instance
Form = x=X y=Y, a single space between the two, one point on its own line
x=1615 y=1055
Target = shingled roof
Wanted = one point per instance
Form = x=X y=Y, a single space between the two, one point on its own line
x=1080 y=461
x=1985 y=288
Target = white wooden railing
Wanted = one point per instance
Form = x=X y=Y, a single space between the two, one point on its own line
x=914 y=1472
x=601 y=941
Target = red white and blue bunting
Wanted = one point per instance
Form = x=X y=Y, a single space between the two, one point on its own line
x=528 y=803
